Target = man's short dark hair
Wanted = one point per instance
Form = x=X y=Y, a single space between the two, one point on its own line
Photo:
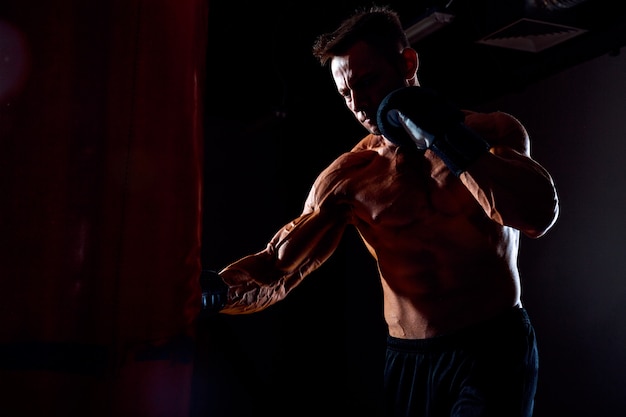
x=378 y=26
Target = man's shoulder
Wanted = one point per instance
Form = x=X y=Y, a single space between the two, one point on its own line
x=492 y=118
x=496 y=125
x=347 y=166
x=361 y=154
x=369 y=142
x=352 y=160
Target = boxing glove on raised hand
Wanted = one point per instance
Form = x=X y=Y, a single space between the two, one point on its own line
x=416 y=116
x=214 y=291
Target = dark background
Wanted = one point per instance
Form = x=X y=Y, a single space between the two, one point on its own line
x=274 y=121
x=138 y=136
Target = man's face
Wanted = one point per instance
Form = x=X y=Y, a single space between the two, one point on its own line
x=363 y=78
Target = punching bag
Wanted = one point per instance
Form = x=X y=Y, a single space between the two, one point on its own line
x=100 y=152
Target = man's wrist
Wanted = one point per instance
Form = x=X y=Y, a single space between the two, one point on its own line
x=459 y=147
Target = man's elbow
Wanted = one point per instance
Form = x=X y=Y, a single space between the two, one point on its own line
x=543 y=221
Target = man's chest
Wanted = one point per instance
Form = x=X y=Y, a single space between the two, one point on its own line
x=401 y=191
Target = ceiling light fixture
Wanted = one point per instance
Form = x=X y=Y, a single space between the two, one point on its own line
x=427 y=25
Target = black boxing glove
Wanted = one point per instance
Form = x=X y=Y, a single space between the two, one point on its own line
x=416 y=116
x=214 y=291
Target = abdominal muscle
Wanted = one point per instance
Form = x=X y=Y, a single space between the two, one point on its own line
x=427 y=314
x=443 y=264
x=440 y=285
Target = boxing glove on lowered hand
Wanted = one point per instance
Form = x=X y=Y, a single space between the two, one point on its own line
x=416 y=116
x=214 y=291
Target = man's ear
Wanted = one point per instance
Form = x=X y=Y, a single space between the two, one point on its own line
x=411 y=62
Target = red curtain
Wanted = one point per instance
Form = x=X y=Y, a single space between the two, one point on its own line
x=100 y=217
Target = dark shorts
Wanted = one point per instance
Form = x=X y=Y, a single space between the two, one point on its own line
x=488 y=370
